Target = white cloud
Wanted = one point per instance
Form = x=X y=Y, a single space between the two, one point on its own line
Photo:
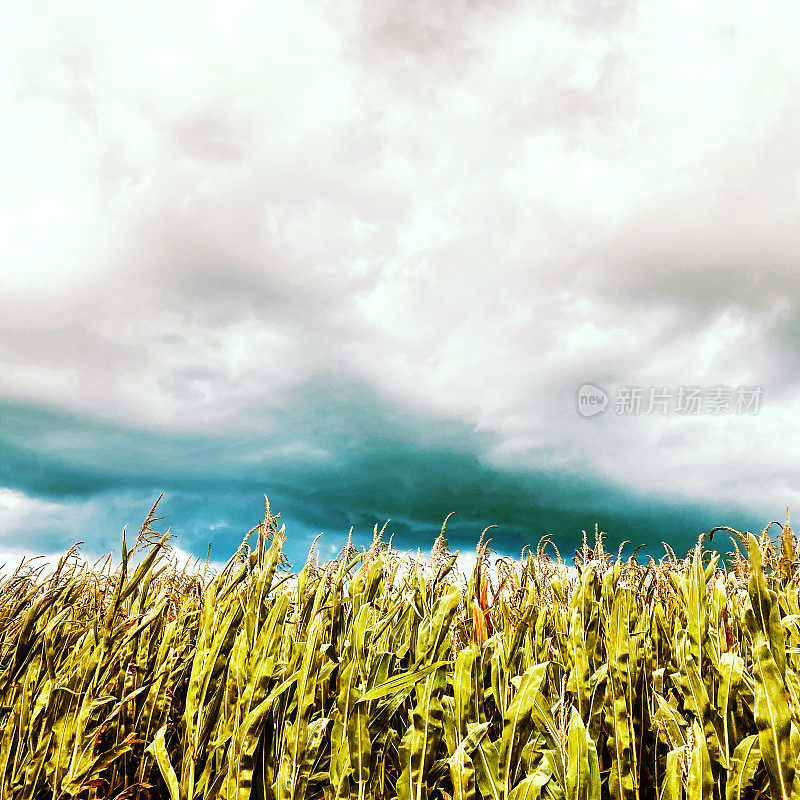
x=21 y=517
x=473 y=207
x=24 y=518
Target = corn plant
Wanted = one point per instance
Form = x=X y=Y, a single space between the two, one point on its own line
x=379 y=675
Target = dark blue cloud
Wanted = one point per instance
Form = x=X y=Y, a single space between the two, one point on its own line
x=336 y=456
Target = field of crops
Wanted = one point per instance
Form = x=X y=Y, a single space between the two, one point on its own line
x=380 y=676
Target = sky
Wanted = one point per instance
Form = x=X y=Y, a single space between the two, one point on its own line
x=362 y=257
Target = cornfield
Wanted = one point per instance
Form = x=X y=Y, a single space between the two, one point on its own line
x=378 y=675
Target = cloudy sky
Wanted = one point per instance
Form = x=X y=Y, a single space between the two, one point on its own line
x=361 y=257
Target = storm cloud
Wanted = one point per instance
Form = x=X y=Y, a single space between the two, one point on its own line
x=438 y=219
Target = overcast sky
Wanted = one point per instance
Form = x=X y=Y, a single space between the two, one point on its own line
x=362 y=256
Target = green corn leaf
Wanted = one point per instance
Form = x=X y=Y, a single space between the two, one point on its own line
x=731 y=672
x=359 y=745
x=466 y=689
x=527 y=707
x=435 y=627
x=696 y=608
x=462 y=776
x=700 y=781
x=82 y=778
x=419 y=744
x=486 y=760
x=622 y=778
x=669 y=722
x=462 y=768
x=402 y=683
x=159 y=750
x=695 y=696
x=672 y=788
x=580 y=675
x=528 y=789
x=765 y=609
x=779 y=739
x=745 y=761
x=583 y=768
